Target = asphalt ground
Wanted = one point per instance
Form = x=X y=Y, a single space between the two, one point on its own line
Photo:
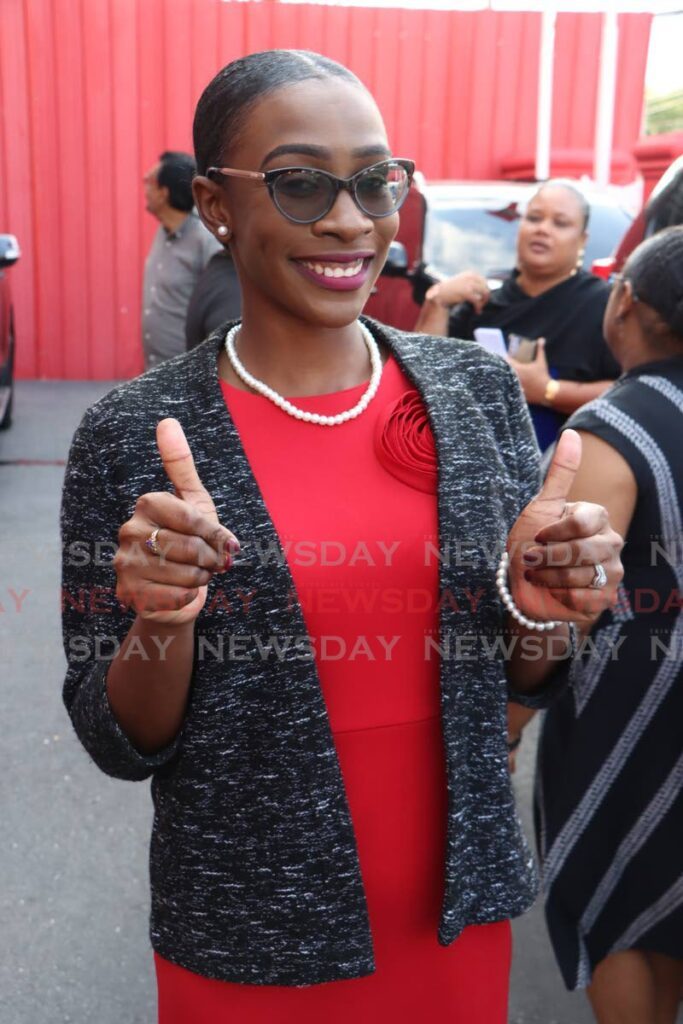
x=74 y=900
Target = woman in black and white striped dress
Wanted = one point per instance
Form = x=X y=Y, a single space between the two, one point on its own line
x=609 y=802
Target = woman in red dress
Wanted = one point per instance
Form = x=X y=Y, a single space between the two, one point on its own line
x=299 y=180
x=369 y=599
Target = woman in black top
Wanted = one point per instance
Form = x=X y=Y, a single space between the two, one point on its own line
x=212 y=687
x=610 y=792
x=549 y=297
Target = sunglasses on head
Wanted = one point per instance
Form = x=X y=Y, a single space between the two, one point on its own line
x=304 y=194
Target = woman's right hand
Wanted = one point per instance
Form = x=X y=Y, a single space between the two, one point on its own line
x=171 y=587
x=465 y=287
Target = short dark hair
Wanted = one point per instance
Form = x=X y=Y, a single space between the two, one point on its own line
x=569 y=187
x=176 y=171
x=225 y=103
x=655 y=270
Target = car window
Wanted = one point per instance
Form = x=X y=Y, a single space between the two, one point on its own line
x=471 y=237
x=467 y=235
x=607 y=227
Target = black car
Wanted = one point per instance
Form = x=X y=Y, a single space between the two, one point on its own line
x=9 y=254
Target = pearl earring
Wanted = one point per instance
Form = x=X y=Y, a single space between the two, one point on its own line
x=224 y=231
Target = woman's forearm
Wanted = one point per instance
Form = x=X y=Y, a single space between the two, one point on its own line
x=572 y=394
x=533 y=656
x=433 y=318
x=149 y=680
x=518 y=719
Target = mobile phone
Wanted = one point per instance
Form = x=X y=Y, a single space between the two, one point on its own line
x=522 y=349
x=491 y=338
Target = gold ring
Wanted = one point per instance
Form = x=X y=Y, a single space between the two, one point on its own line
x=151 y=543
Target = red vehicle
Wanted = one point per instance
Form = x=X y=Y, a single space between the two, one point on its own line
x=9 y=254
x=663 y=209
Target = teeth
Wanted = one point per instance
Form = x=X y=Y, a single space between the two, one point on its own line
x=336 y=269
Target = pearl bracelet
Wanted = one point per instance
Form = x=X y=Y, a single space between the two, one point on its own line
x=506 y=598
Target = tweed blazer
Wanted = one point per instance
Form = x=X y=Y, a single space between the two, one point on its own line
x=254 y=868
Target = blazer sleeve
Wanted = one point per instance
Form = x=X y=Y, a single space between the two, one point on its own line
x=93 y=621
x=529 y=481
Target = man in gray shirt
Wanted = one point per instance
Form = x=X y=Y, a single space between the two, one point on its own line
x=181 y=249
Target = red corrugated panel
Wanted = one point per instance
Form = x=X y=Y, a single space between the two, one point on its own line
x=405 y=132
x=73 y=241
x=577 y=52
x=336 y=32
x=48 y=241
x=99 y=98
x=634 y=31
x=387 y=83
x=204 y=46
x=93 y=91
x=458 y=108
x=176 y=27
x=514 y=117
x=435 y=101
x=233 y=32
x=258 y=34
x=361 y=53
x=18 y=183
x=127 y=190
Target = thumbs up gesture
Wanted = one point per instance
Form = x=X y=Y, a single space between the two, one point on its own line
x=555 y=546
x=173 y=543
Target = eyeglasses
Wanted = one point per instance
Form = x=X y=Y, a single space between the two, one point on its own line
x=622 y=279
x=304 y=194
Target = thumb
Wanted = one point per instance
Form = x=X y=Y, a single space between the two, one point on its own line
x=180 y=468
x=563 y=468
x=540 y=349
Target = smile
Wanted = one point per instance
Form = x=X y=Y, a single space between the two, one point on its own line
x=335 y=269
x=342 y=273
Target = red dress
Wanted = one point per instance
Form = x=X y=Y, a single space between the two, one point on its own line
x=355 y=509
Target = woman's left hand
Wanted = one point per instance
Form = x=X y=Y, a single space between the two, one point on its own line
x=533 y=376
x=554 y=547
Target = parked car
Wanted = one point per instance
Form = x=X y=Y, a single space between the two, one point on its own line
x=473 y=226
x=9 y=254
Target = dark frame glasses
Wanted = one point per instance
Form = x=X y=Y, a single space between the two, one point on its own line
x=306 y=194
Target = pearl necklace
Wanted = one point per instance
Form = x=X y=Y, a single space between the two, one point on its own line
x=293 y=410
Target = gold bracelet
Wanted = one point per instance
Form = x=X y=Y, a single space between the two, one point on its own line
x=551 y=389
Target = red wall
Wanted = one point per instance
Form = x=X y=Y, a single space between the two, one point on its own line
x=91 y=92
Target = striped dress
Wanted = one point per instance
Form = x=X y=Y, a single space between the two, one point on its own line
x=609 y=792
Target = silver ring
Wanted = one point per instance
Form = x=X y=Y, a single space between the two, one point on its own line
x=152 y=544
x=599 y=578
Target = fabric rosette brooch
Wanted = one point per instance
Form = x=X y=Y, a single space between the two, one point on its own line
x=404 y=443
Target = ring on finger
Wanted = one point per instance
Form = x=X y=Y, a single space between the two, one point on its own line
x=152 y=543
x=599 y=577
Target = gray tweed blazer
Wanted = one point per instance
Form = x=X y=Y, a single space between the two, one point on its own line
x=254 y=869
